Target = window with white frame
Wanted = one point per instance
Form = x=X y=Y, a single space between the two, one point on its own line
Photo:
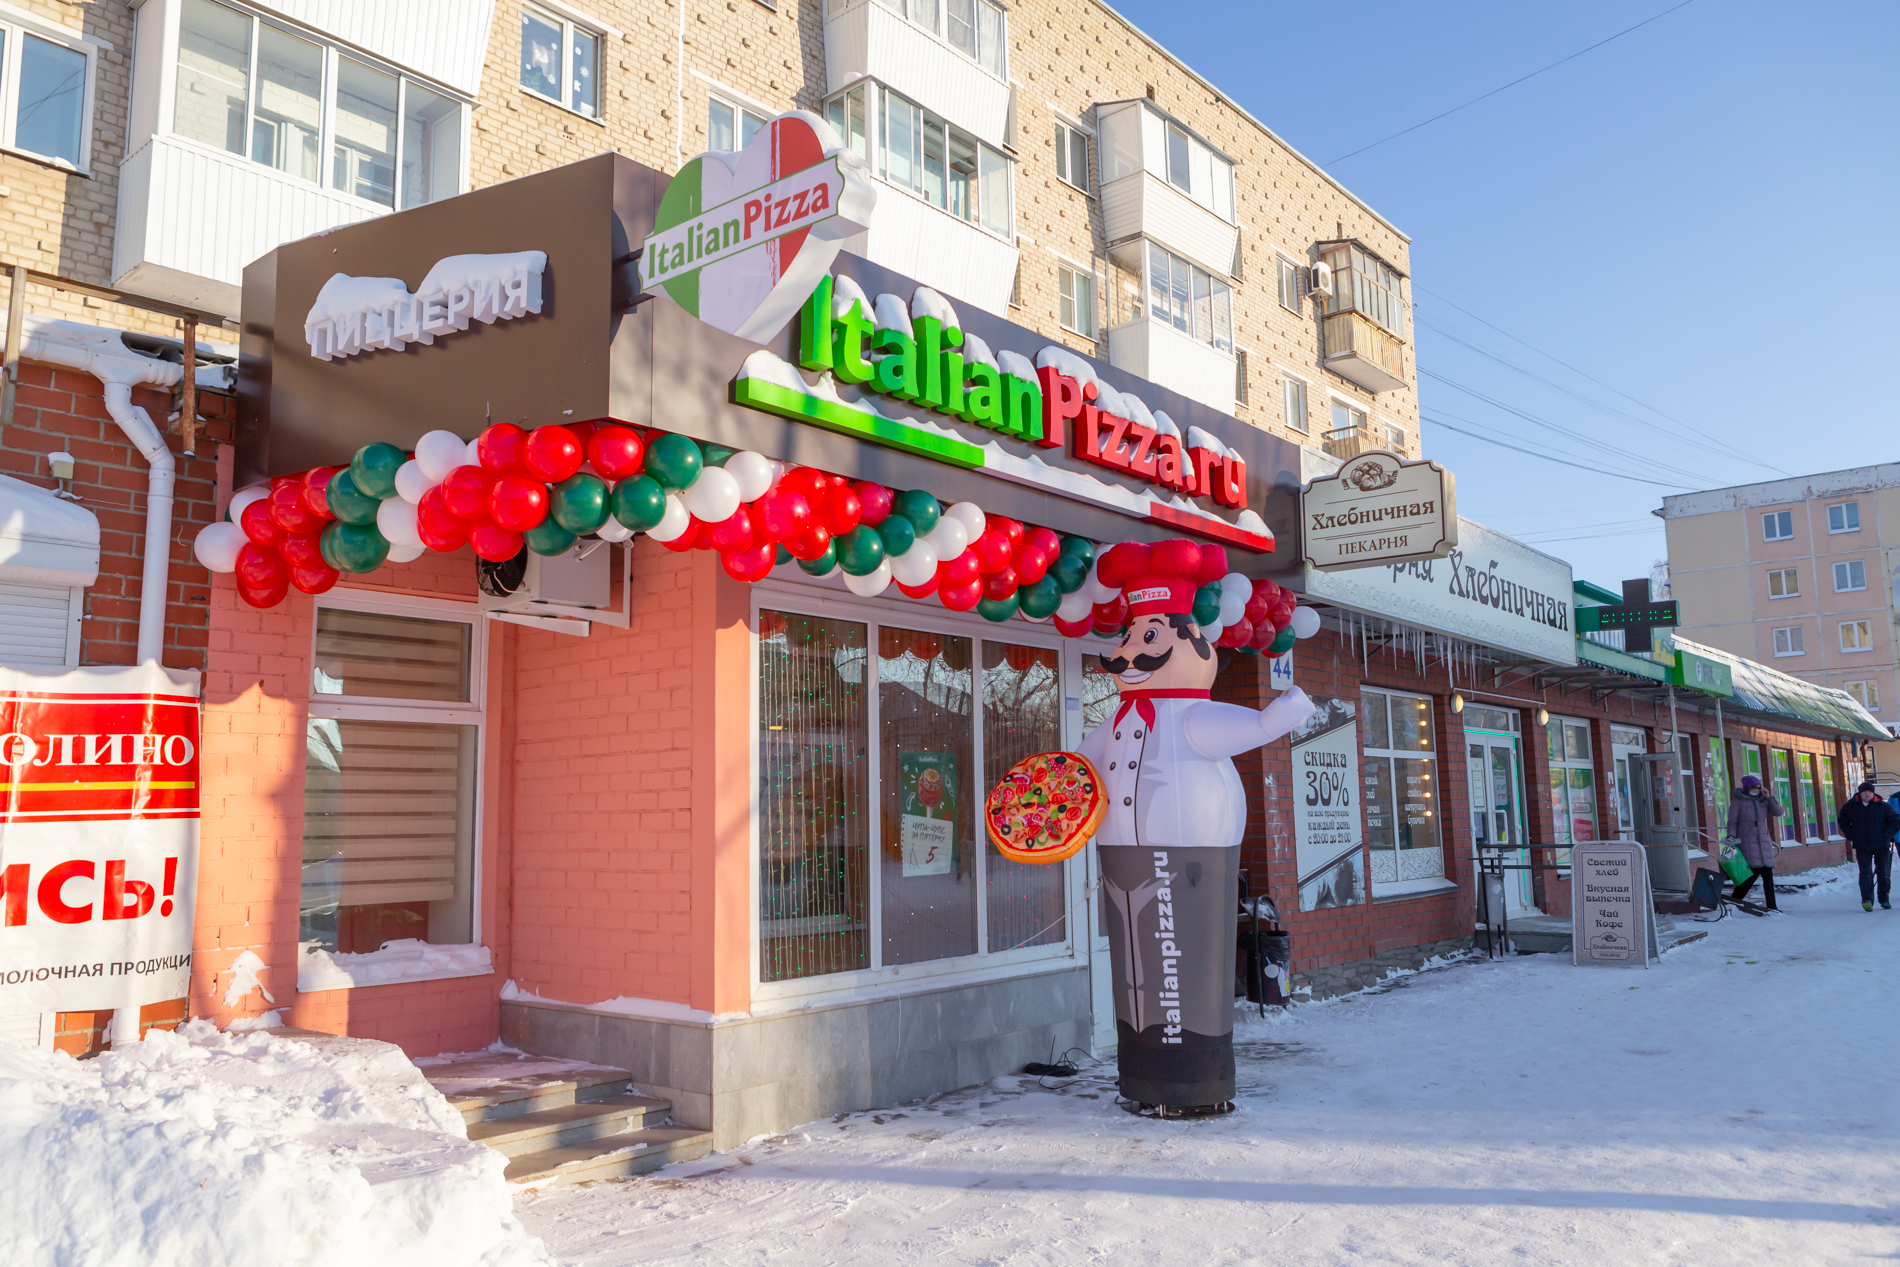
x=1401 y=788
x=1190 y=299
x=1293 y=403
x=1866 y=694
x=1395 y=437
x=1240 y=376
x=560 y=60
x=1075 y=289
x=1347 y=421
x=1844 y=517
x=1135 y=136
x=1573 y=782
x=46 y=87
x=847 y=113
x=1783 y=583
x=1287 y=281
x=730 y=127
x=1072 y=155
x=391 y=763
x=976 y=28
x=252 y=88
x=942 y=164
x=1851 y=575
x=1777 y=525
x=1364 y=283
x=1857 y=635
x=1790 y=641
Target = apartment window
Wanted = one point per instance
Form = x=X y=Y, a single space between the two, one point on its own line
x=46 y=92
x=1790 y=641
x=847 y=114
x=1137 y=137
x=1401 y=790
x=1363 y=283
x=1777 y=525
x=730 y=127
x=1190 y=299
x=1866 y=694
x=1072 y=155
x=1288 y=279
x=1240 y=376
x=248 y=87
x=391 y=759
x=1783 y=583
x=1395 y=438
x=943 y=164
x=1857 y=635
x=1346 y=419
x=1844 y=517
x=560 y=61
x=1077 y=303
x=974 y=28
x=1851 y=575
x=1293 y=403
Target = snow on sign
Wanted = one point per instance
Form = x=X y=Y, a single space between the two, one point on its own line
x=1612 y=919
x=364 y=314
x=1379 y=508
x=98 y=837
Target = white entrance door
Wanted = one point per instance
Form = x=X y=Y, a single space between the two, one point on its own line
x=1626 y=742
x=1496 y=779
x=1089 y=700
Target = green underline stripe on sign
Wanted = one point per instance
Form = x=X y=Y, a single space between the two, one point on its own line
x=838 y=416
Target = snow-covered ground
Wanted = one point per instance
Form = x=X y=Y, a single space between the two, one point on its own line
x=1734 y=1104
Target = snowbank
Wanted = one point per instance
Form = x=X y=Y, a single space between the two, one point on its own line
x=200 y=1149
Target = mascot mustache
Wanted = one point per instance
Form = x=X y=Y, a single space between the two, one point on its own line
x=1144 y=663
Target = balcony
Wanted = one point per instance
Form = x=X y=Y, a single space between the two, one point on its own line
x=868 y=39
x=1163 y=355
x=1143 y=205
x=1348 y=442
x=191 y=218
x=947 y=254
x=1360 y=350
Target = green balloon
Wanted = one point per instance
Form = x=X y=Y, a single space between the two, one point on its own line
x=674 y=461
x=1041 y=599
x=824 y=562
x=374 y=469
x=1282 y=642
x=860 y=550
x=998 y=609
x=579 y=503
x=349 y=547
x=1206 y=605
x=639 y=503
x=548 y=537
x=348 y=504
x=781 y=558
x=898 y=534
x=323 y=548
x=919 y=507
x=1068 y=571
x=716 y=454
x=1081 y=548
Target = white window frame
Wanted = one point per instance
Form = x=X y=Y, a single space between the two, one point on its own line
x=1210 y=338
x=570 y=21
x=938 y=26
x=820 y=599
x=1858 y=626
x=1065 y=129
x=1066 y=265
x=1242 y=397
x=1305 y=425
x=1847 y=509
x=876 y=102
x=739 y=113
x=1771 y=519
x=1794 y=644
x=1286 y=266
x=1845 y=570
x=1788 y=590
x=1442 y=882
x=1868 y=696
x=17 y=24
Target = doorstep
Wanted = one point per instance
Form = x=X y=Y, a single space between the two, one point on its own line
x=1550 y=935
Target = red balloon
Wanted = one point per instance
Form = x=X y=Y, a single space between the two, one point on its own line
x=962 y=570
x=316 y=491
x=288 y=510
x=1073 y=628
x=268 y=597
x=1257 y=608
x=261 y=567
x=750 y=565
x=552 y=453
x=616 y=452
x=1010 y=528
x=439 y=527
x=811 y=544
x=688 y=539
x=583 y=433
x=1122 y=564
x=300 y=550
x=1263 y=588
x=465 y=492
x=1238 y=634
x=1031 y=564
x=1109 y=617
x=1000 y=585
x=1044 y=540
x=785 y=513
x=259 y=526
x=313 y=580
x=842 y=510
x=874 y=502
x=1262 y=636
x=499 y=448
x=807 y=481
x=493 y=542
x=282 y=481
x=1213 y=564
x=925 y=590
x=960 y=598
x=993 y=550
x=1282 y=614
x=517 y=504
x=734 y=534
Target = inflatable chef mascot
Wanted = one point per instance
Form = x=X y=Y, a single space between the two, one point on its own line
x=1169 y=842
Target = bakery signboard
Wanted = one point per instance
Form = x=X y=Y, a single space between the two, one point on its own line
x=1379 y=509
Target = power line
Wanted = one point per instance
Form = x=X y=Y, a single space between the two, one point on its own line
x=1596 y=443
x=1550 y=457
x=1514 y=83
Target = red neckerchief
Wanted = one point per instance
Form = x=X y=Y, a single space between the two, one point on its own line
x=1139 y=701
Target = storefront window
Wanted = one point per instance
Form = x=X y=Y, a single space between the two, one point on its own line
x=1401 y=797
x=1715 y=764
x=814 y=910
x=1573 y=784
x=1829 y=792
x=1810 y=819
x=1022 y=715
x=925 y=718
x=1784 y=792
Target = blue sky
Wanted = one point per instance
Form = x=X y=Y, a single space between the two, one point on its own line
x=1699 y=218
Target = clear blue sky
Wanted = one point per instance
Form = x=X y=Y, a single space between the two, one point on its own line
x=1701 y=214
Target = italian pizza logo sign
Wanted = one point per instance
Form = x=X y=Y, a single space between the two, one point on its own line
x=739 y=240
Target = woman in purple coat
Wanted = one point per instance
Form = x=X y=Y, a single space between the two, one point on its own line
x=1751 y=824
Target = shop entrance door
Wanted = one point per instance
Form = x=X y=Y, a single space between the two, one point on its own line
x=1495 y=775
x=1091 y=691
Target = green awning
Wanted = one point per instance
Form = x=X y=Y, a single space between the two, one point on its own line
x=1610 y=658
x=1765 y=690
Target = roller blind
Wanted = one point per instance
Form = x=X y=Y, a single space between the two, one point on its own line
x=388 y=812
x=38 y=624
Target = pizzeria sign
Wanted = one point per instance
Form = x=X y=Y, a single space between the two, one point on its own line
x=1379 y=509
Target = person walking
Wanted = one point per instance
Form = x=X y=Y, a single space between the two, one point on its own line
x=1751 y=824
x=1869 y=824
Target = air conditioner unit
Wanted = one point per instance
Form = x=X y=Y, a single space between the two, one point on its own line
x=576 y=583
x=1322 y=280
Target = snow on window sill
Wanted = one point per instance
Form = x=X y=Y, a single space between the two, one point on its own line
x=398 y=961
x=1412 y=888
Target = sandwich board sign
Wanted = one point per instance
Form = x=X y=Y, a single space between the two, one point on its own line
x=1612 y=913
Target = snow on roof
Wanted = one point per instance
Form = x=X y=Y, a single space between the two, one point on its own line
x=45 y=539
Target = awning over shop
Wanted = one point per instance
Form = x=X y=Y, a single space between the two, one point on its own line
x=44 y=539
x=1760 y=689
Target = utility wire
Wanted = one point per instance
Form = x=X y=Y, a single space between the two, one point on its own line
x=1551 y=457
x=1514 y=83
x=1596 y=443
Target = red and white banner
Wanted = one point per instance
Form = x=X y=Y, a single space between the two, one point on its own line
x=98 y=836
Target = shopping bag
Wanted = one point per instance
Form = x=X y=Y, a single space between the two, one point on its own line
x=1734 y=865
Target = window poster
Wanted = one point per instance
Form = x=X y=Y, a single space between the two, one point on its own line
x=928 y=796
x=1326 y=830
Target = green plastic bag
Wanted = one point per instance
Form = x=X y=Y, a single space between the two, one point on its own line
x=1734 y=865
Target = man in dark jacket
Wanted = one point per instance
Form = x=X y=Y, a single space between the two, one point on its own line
x=1869 y=824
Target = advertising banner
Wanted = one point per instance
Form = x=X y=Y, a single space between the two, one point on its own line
x=98 y=836
x=928 y=819
x=1326 y=831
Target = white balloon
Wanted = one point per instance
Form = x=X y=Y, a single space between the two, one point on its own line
x=1305 y=622
x=949 y=538
x=396 y=520
x=970 y=515
x=245 y=496
x=412 y=481
x=1074 y=606
x=613 y=531
x=871 y=584
x=713 y=497
x=673 y=522
x=471 y=456
x=217 y=546
x=1234 y=583
x=1232 y=607
x=406 y=554
x=1034 y=620
x=917 y=564
x=755 y=472
x=1213 y=632
x=438 y=453
x=1093 y=587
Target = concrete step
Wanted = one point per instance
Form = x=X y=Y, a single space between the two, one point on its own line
x=1550 y=934
x=571 y=1124
x=491 y=1086
x=614 y=1157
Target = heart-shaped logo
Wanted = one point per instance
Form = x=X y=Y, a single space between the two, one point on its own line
x=740 y=239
